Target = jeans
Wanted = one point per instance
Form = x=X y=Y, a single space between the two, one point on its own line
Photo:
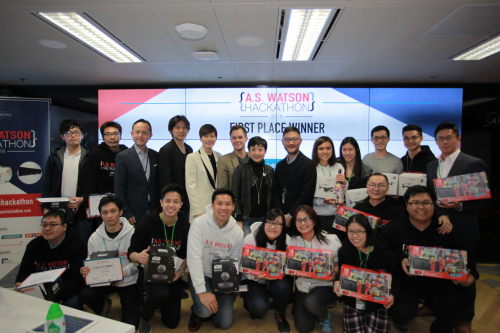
x=311 y=306
x=84 y=229
x=74 y=302
x=223 y=318
x=166 y=297
x=130 y=300
x=248 y=222
x=257 y=297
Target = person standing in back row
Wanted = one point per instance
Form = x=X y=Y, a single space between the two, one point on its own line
x=381 y=160
x=417 y=156
x=229 y=162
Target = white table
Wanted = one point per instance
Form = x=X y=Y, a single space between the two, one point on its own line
x=19 y=312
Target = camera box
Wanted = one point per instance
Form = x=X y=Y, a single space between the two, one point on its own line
x=262 y=262
x=409 y=179
x=161 y=265
x=327 y=187
x=393 y=183
x=473 y=186
x=365 y=284
x=225 y=275
x=60 y=204
x=344 y=213
x=438 y=262
x=104 y=255
x=352 y=197
x=307 y=262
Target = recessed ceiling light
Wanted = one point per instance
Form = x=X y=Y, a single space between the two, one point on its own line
x=249 y=41
x=82 y=29
x=482 y=51
x=53 y=44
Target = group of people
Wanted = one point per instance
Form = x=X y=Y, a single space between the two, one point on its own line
x=206 y=206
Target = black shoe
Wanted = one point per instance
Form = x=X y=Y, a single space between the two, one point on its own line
x=400 y=327
x=283 y=325
x=254 y=317
x=184 y=294
x=194 y=323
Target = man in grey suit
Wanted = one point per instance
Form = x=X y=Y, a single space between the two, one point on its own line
x=136 y=175
x=229 y=162
x=463 y=215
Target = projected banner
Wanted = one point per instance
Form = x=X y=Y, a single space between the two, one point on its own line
x=266 y=112
x=24 y=147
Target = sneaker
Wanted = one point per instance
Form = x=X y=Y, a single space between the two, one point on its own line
x=144 y=326
x=194 y=323
x=254 y=317
x=400 y=327
x=283 y=325
x=327 y=325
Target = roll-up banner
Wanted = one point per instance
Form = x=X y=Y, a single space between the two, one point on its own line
x=24 y=147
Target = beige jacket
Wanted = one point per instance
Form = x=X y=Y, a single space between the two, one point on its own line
x=225 y=170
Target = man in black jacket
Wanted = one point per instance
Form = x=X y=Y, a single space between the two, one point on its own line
x=172 y=157
x=419 y=226
x=295 y=176
x=417 y=156
x=100 y=169
x=64 y=174
x=57 y=247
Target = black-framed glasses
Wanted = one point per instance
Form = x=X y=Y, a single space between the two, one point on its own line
x=49 y=225
x=380 y=138
x=356 y=232
x=445 y=138
x=305 y=220
x=74 y=133
x=110 y=135
x=274 y=224
x=287 y=140
x=380 y=186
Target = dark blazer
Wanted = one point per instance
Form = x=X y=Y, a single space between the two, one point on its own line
x=465 y=221
x=132 y=186
x=299 y=181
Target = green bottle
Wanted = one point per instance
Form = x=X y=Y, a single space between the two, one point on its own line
x=55 y=322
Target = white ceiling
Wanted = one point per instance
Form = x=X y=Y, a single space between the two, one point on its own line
x=372 y=42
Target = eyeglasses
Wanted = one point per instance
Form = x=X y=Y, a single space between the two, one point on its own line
x=111 y=134
x=415 y=204
x=357 y=232
x=75 y=133
x=287 y=140
x=274 y=224
x=445 y=138
x=49 y=225
x=305 y=220
x=413 y=138
x=380 y=138
x=141 y=133
x=380 y=186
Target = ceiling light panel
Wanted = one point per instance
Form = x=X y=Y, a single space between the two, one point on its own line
x=82 y=29
x=482 y=51
x=305 y=26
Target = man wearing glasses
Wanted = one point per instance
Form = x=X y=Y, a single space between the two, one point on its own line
x=417 y=156
x=381 y=160
x=295 y=176
x=100 y=169
x=57 y=247
x=64 y=175
x=136 y=175
x=453 y=162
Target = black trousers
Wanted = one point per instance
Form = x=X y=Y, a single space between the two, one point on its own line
x=444 y=294
x=257 y=298
x=312 y=306
x=130 y=299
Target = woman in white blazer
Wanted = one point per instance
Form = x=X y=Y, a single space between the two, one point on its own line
x=201 y=172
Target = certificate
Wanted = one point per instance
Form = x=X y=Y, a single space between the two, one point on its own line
x=104 y=270
x=94 y=200
x=42 y=277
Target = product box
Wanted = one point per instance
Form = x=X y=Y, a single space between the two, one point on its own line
x=225 y=275
x=47 y=285
x=94 y=200
x=60 y=204
x=438 y=262
x=262 y=262
x=473 y=186
x=344 y=213
x=352 y=197
x=104 y=255
x=327 y=187
x=161 y=265
x=307 y=262
x=409 y=179
x=393 y=183
x=365 y=284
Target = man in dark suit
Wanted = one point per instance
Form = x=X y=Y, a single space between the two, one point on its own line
x=172 y=157
x=136 y=175
x=463 y=215
x=295 y=175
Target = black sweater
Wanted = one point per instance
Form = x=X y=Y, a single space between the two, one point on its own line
x=387 y=210
x=70 y=254
x=400 y=234
x=150 y=232
x=419 y=162
x=381 y=259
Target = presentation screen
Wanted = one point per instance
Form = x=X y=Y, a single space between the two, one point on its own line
x=266 y=112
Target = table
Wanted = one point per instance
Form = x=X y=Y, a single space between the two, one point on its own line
x=19 y=312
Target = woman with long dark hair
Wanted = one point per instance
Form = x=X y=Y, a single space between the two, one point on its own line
x=312 y=296
x=327 y=166
x=269 y=234
x=363 y=249
x=356 y=173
